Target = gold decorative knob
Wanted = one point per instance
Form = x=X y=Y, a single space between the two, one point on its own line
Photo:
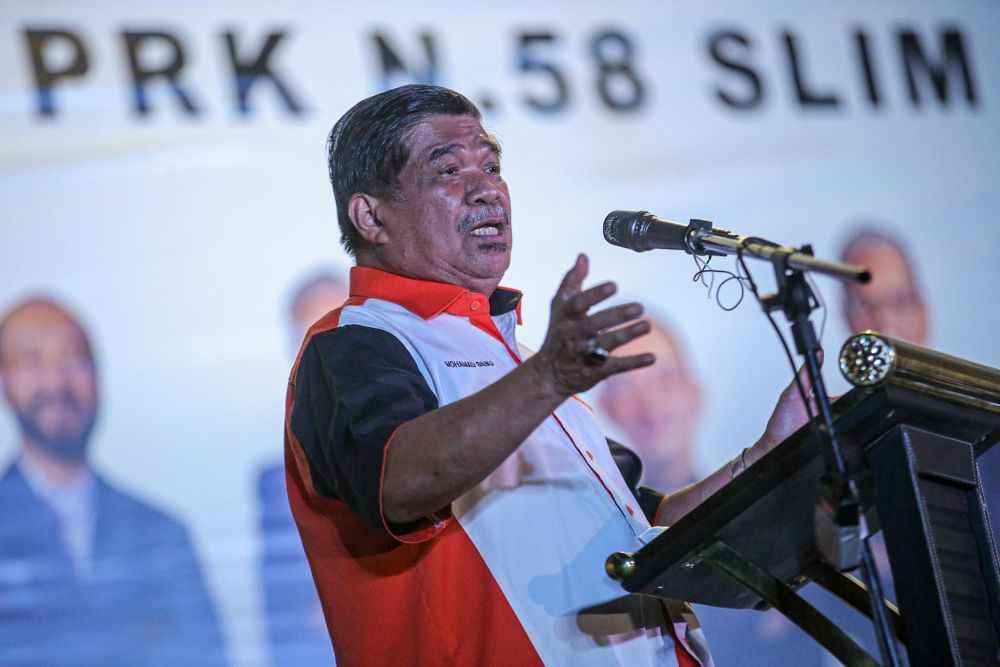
x=619 y=565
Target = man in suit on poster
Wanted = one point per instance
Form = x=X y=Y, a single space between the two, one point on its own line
x=89 y=575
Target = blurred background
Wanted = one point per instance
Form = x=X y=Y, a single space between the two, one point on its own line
x=168 y=232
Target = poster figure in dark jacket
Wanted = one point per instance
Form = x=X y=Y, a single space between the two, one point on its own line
x=296 y=630
x=89 y=574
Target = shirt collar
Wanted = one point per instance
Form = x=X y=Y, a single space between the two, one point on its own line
x=429 y=299
x=78 y=495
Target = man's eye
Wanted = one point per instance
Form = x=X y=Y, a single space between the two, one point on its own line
x=448 y=171
x=492 y=169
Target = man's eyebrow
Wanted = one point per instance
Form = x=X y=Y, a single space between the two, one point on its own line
x=494 y=145
x=441 y=151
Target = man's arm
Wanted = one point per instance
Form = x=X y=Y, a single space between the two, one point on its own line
x=435 y=458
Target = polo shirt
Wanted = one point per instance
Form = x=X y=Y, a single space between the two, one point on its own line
x=512 y=572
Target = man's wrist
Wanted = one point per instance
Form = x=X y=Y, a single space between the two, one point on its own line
x=738 y=464
x=544 y=380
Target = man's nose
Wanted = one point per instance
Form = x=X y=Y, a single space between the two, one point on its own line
x=52 y=378
x=481 y=189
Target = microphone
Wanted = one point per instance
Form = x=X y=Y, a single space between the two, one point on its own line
x=641 y=231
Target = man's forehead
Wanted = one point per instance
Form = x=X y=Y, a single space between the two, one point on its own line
x=888 y=265
x=41 y=322
x=438 y=135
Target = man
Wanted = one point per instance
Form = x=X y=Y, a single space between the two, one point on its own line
x=88 y=574
x=892 y=302
x=295 y=629
x=455 y=503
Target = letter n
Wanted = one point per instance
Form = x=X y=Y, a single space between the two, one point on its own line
x=395 y=71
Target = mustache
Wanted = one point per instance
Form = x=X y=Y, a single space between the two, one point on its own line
x=62 y=399
x=482 y=214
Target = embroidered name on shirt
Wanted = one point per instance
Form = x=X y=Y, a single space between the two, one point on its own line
x=467 y=364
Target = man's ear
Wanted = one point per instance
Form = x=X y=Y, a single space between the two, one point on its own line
x=363 y=209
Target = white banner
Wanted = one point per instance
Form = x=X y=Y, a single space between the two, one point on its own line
x=163 y=176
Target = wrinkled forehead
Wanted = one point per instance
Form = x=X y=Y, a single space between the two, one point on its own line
x=437 y=135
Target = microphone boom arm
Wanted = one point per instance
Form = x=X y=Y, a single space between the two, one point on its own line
x=702 y=239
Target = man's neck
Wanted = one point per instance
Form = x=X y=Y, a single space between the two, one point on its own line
x=58 y=472
x=486 y=287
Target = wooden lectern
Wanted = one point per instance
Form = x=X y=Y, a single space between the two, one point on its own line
x=912 y=429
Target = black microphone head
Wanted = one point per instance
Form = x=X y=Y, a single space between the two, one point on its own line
x=622 y=228
x=642 y=231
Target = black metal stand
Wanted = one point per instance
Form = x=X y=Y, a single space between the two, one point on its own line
x=788 y=602
x=841 y=535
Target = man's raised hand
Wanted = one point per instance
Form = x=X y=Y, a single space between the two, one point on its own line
x=572 y=358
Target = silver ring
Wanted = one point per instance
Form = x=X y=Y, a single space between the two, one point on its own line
x=596 y=353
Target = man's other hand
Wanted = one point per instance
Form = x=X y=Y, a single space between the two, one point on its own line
x=789 y=412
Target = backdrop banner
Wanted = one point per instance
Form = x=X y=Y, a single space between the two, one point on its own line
x=165 y=191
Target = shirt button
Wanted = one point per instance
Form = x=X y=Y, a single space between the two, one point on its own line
x=631 y=512
x=474 y=305
x=590 y=454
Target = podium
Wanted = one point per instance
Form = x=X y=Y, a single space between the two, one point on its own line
x=912 y=429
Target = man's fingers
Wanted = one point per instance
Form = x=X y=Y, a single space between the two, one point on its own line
x=573 y=280
x=612 y=317
x=580 y=303
x=615 y=365
x=612 y=339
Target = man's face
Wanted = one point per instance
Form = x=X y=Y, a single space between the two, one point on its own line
x=890 y=303
x=48 y=380
x=451 y=220
x=657 y=406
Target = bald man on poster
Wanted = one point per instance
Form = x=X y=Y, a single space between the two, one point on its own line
x=89 y=574
x=455 y=501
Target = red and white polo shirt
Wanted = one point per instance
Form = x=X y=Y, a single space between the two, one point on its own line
x=512 y=573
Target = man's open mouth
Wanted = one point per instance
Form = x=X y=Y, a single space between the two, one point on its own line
x=487 y=230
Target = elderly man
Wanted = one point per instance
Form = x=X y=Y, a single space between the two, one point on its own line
x=454 y=500
x=89 y=575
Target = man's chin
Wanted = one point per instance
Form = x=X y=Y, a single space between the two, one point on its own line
x=68 y=445
x=66 y=450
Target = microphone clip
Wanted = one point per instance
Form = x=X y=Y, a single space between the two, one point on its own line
x=697 y=230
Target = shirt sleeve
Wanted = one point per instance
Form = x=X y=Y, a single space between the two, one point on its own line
x=354 y=387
